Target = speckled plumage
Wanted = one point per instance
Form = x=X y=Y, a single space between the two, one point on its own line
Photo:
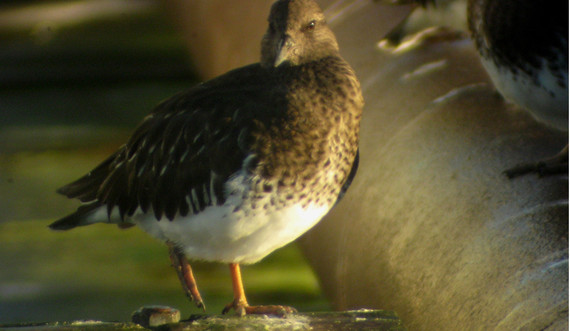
x=177 y=161
x=242 y=164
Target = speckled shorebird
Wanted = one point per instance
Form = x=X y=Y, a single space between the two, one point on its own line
x=242 y=164
x=524 y=47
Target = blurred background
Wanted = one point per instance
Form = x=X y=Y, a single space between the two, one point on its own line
x=75 y=78
x=430 y=227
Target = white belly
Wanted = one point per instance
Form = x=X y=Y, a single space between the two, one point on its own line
x=548 y=103
x=234 y=232
x=218 y=234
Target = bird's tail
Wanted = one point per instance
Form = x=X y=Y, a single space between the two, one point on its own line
x=85 y=215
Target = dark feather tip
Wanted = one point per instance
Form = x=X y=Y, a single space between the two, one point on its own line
x=66 y=223
x=74 y=220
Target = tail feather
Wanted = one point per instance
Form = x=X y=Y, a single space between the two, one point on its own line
x=81 y=217
x=87 y=187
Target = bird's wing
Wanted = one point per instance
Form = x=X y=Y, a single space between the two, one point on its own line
x=179 y=157
x=350 y=177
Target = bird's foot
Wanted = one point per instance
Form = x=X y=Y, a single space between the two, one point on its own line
x=555 y=165
x=242 y=309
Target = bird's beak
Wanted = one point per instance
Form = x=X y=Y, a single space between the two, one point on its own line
x=284 y=50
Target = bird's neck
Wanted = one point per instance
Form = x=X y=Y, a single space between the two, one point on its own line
x=330 y=78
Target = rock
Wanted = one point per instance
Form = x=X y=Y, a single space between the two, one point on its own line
x=157 y=318
x=152 y=316
x=363 y=319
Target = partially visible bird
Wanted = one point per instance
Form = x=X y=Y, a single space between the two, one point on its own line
x=242 y=164
x=524 y=47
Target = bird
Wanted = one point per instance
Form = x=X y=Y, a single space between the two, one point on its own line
x=239 y=165
x=523 y=46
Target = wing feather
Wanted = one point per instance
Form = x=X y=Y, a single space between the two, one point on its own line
x=181 y=154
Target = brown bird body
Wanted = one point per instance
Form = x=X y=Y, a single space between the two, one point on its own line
x=242 y=164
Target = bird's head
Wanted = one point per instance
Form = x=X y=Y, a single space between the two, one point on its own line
x=298 y=33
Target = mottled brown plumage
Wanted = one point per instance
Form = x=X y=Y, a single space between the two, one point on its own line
x=242 y=164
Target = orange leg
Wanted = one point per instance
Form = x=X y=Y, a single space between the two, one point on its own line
x=240 y=305
x=184 y=272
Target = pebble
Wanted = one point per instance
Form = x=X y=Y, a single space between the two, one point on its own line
x=152 y=316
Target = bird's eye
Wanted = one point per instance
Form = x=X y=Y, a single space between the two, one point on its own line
x=311 y=25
